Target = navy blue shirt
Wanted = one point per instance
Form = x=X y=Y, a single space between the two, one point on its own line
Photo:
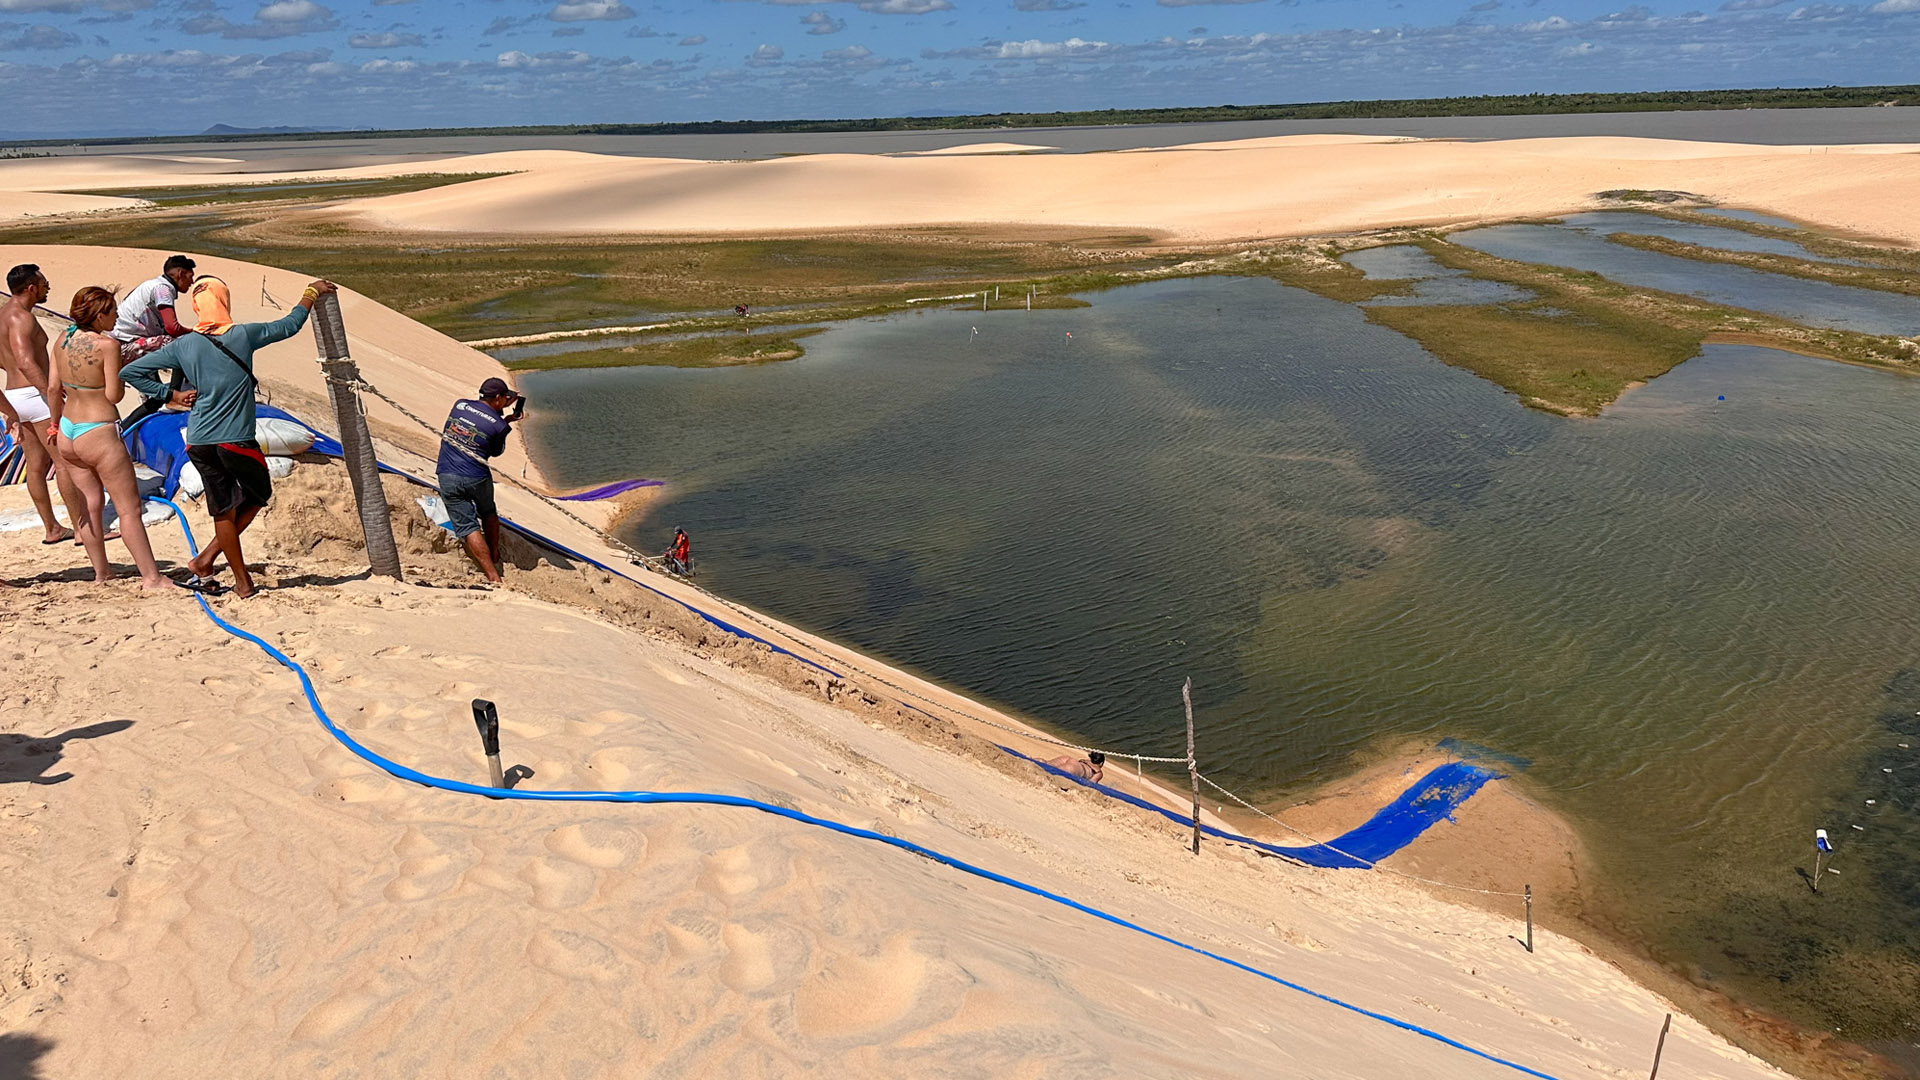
x=472 y=426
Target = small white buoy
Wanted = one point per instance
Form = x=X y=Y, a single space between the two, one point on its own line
x=1886 y=770
x=1870 y=802
x=1857 y=828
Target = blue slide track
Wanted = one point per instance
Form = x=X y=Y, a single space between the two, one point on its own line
x=1434 y=798
x=402 y=772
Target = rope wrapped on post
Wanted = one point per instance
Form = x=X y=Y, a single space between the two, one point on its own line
x=356 y=441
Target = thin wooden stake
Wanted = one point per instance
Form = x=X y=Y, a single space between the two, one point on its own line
x=1529 y=918
x=1660 y=1046
x=1193 y=768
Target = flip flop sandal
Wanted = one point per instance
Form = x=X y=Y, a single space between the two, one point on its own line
x=206 y=586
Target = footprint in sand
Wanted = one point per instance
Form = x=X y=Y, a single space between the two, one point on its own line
x=558 y=885
x=857 y=995
x=749 y=962
x=342 y=1011
x=575 y=956
x=602 y=845
x=729 y=873
x=393 y=652
x=615 y=765
x=425 y=869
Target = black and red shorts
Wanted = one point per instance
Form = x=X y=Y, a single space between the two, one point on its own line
x=235 y=475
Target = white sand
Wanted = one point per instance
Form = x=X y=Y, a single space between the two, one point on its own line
x=1215 y=192
x=222 y=886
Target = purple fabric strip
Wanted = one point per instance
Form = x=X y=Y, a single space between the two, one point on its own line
x=608 y=491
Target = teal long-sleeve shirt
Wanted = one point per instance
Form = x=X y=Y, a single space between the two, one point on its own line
x=223 y=412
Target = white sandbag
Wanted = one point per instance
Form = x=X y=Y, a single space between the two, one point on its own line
x=281 y=437
x=436 y=511
x=190 y=484
x=279 y=467
x=146 y=481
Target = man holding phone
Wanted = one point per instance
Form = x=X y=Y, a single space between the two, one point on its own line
x=476 y=430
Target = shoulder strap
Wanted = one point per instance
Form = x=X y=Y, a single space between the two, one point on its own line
x=237 y=362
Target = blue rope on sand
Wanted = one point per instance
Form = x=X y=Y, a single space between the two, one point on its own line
x=402 y=772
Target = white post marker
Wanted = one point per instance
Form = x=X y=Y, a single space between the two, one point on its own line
x=1822 y=851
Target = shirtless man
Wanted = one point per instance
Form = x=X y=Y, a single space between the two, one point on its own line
x=23 y=353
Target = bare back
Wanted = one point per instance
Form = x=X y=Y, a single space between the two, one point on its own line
x=87 y=371
x=23 y=346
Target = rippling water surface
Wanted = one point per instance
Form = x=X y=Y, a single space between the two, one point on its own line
x=1695 y=615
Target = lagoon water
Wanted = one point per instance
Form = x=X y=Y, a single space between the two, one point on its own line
x=1694 y=615
x=1580 y=242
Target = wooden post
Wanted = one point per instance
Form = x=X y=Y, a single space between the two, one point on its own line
x=1193 y=768
x=356 y=440
x=1529 y=918
x=1660 y=1046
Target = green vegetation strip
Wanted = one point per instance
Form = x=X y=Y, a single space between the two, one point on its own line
x=719 y=350
x=1860 y=277
x=305 y=190
x=1583 y=339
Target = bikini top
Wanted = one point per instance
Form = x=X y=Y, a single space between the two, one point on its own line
x=64 y=338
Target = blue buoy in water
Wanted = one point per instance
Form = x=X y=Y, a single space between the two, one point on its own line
x=1723 y=397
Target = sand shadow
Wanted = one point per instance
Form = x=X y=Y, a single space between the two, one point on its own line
x=20 y=1056
x=25 y=759
x=516 y=774
x=301 y=581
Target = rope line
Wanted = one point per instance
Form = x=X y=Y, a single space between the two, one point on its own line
x=656 y=565
x=402 y=772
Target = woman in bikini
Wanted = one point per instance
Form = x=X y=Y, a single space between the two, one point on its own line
x=83 y=396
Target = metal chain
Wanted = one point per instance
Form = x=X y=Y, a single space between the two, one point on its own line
x=656 y=565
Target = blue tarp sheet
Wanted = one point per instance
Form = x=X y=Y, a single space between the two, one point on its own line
x=1434 y=798
x=158 y=442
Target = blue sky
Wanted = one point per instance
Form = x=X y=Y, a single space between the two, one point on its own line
x=166 y=66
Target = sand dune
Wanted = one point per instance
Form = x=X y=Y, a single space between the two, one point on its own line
x=220 y=882
x=1261 y=189
x=1216 y=192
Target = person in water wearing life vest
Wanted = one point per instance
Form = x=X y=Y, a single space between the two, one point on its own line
x=680 y=556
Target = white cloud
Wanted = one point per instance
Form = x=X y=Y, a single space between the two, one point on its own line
x=1551 y=22
x=1895 y=7
x=283 y=18
x=851 y=52
x=694 y=39
x=766 y=55
x=819 y=22
x=389 y=67
x=291 y=11
x=388 y=40
x=589 y=11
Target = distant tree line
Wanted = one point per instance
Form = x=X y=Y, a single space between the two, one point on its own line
x=1826 y=97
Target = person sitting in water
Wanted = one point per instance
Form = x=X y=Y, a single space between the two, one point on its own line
x=477 y=429
x=218 y=358
x=680 y=555
x=82 y=397
x=146 y=322
x=1090 y=768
